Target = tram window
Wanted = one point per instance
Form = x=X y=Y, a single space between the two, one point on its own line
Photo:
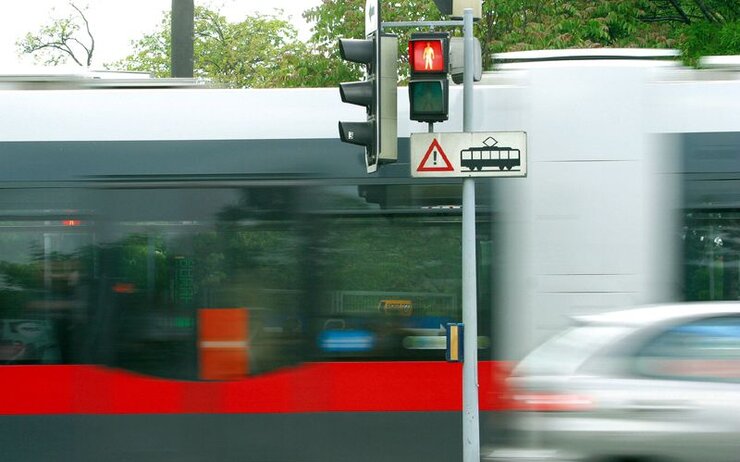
x=177 y=260
x=46 y=263
x=389 y=282
x=711 y=255
x=127 y=282
x=390 y=279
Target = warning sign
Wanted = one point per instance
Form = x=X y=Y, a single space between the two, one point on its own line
x=435 y=160
x=487 y=154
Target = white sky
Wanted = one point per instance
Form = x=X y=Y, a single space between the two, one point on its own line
x=114 y=23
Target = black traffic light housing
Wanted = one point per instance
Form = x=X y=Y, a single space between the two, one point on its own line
x=377 y=92
x=429 y=87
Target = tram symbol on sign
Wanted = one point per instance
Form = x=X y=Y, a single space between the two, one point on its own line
x=489 y=156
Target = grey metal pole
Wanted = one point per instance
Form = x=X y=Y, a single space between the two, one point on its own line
x=471 y=425
x=469 y=47
x=182 y=38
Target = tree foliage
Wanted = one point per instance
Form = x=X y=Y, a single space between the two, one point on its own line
x=703 y=27
x=697 y=27
x=64 y=38
x=517 y=25
x=346 y=18
x=260 y=51
x=264 y=50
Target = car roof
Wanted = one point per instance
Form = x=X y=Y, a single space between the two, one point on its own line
x=661 y=313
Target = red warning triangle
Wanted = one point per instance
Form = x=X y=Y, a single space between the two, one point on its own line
x=434 y=158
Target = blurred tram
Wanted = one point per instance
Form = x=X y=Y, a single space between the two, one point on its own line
x=190 y=273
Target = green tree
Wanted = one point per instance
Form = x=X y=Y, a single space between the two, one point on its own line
x=702 y=27
x=346 y=18
x=516 y=25
x=64 y=38
x=697 y=27
x=260 y=51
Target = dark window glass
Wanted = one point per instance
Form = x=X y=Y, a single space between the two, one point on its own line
x=181 y=267
x=391 y=276
x=712 y=255
x=172 y=282
x=46 y=267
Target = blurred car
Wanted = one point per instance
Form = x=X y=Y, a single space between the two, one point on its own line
x=656 y=383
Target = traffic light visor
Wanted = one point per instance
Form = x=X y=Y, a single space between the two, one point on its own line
x=361 y=93
x=427 y=56
x=357 y=50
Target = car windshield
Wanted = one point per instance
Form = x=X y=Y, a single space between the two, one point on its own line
x=566 y=352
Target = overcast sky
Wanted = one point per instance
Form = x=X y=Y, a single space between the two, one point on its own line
x=114 y=23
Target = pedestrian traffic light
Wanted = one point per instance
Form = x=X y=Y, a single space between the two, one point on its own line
x=377 y=92
x=428 y=87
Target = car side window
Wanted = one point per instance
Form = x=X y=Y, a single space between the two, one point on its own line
x=707 y=350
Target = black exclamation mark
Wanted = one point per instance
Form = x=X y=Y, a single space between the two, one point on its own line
x=435 y=157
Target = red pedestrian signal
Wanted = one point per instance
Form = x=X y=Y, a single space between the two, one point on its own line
x=428 y=86
x=427 y=56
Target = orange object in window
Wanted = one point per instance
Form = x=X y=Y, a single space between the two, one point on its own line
x=222 y=343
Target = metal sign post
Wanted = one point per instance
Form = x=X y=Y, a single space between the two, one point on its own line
x=460 y=155
x=471 y=423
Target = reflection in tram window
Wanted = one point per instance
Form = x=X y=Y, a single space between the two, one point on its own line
x=44 y=276
x=182 y=256
x=711 y=252
x=393 y=281
x=137 y=278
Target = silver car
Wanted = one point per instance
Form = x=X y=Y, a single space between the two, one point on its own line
x=657 y=383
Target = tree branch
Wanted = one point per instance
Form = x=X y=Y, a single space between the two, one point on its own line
x=84 y=47
x=89 y=33
x=663 y=19
x=60 y=36
x=57 y=46
x=706 y=11
x=681 y=13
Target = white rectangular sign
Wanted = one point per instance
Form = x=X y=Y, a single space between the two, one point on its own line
x=485 y=154
x=372 y=13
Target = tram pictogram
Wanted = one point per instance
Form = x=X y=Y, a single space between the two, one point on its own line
x=490 y=156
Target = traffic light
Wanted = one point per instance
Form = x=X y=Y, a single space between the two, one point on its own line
x=455 y=8
x=429 y=88
x=377 y=92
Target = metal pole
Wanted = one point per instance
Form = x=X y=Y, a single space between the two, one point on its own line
x=415 y=24
x=182 y=38
x=471 y=425
x=469 y=46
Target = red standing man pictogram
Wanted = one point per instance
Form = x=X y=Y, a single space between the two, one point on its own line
x=428 y=56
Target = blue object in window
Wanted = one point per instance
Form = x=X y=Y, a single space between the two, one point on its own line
x=346 y=340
